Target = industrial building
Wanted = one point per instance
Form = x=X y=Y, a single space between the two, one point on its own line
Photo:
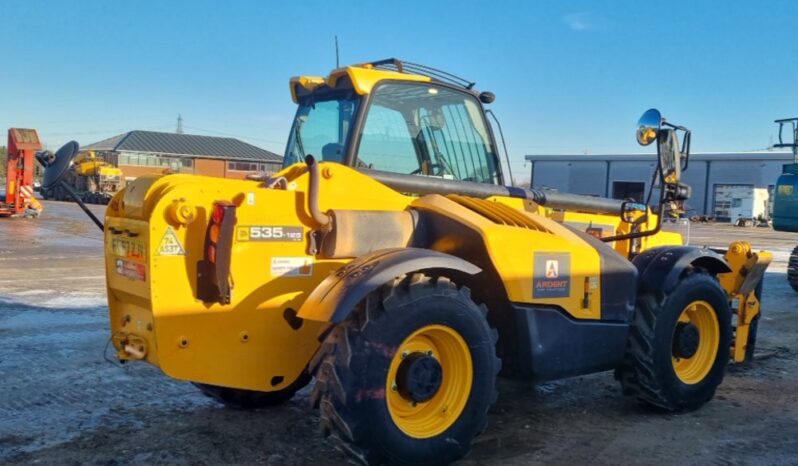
x=721 y=182
x=141 y=152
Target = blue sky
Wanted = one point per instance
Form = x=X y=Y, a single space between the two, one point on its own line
x=570 y=77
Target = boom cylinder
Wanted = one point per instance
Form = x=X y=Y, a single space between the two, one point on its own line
x=552 y=199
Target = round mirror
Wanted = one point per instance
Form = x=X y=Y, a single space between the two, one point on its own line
x=56 y=165
x=648 y=126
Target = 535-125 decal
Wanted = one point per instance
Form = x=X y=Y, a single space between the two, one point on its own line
x=269 y=233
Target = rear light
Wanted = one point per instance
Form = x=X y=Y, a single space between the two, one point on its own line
x=213 y=272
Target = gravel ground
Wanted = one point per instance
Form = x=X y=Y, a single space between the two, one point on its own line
x=62 y=402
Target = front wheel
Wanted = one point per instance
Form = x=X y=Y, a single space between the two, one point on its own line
x=409 y=377
x=678 y=346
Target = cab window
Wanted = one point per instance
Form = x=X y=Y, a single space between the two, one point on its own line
x=429 y=130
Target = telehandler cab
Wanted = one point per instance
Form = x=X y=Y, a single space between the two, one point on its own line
x=389 y=261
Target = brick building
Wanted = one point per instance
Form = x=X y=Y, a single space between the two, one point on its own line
x=140 y=152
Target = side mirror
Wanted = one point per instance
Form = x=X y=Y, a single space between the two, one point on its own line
x=670 y=157
x=648 y=126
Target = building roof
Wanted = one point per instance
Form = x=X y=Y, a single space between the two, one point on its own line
x=759 y=155
x=184 y=145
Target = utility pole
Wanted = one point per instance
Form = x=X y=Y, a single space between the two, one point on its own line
x=179 y=124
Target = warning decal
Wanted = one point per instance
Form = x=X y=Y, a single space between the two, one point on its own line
x=552 y=275
x=170 y=244
x=131 y=270
x=128 y=248
x=291 y=266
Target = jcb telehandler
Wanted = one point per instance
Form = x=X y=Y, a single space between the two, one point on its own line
x=389 y=261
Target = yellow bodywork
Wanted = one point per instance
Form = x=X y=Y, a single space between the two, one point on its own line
x=154 y=238
x=88 y=164
x=363 y=78
x=740 y=284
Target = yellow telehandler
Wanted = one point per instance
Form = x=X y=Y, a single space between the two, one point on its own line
x=389 y=261
x=94 y=179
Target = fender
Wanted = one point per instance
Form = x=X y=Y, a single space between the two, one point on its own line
x=661 y=267
x=338 y=294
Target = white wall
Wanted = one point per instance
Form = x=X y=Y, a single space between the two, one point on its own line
x=594 y=178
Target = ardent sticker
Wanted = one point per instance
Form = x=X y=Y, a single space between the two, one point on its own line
x=131 y=270
x=552 y=277
x=170 y=244
x=291 y=266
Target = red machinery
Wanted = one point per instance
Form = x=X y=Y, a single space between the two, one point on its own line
x=19 y=200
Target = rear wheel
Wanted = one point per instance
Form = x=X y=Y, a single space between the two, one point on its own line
x=792 y=269
x=409 y=377
x=250 y=399
x=678 y=345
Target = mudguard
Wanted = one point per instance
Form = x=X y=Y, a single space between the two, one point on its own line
x=661 y=267
x=338 y=294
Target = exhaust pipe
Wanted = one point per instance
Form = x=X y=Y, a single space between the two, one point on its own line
x=321 y=219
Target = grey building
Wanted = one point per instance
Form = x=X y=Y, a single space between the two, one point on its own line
x=711 y=175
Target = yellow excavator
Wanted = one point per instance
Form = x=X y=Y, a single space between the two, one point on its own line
x=92 y=177
x=391 y=264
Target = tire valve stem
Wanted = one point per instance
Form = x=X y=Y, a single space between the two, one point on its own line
x=404 y=354
x=394 y=387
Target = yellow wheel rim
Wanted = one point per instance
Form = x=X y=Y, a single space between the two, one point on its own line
x=432 y=417
x=694 y=369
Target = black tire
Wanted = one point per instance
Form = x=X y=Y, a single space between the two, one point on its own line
x=355 y=360
x=647 y=372
x=792 y=269
x=237 y=398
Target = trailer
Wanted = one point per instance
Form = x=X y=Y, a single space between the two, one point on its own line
x=741 y=204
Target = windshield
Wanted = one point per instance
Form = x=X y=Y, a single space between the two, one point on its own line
x=320 y=129
x=422 y=129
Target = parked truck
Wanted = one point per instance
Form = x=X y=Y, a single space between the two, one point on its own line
x=785 y=199
x=744 y=205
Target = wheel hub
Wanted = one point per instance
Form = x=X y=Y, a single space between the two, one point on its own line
x=419 y=377
x=686 y=339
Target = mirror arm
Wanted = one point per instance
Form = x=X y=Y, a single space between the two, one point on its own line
x=640 y=234
x=686 y=148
